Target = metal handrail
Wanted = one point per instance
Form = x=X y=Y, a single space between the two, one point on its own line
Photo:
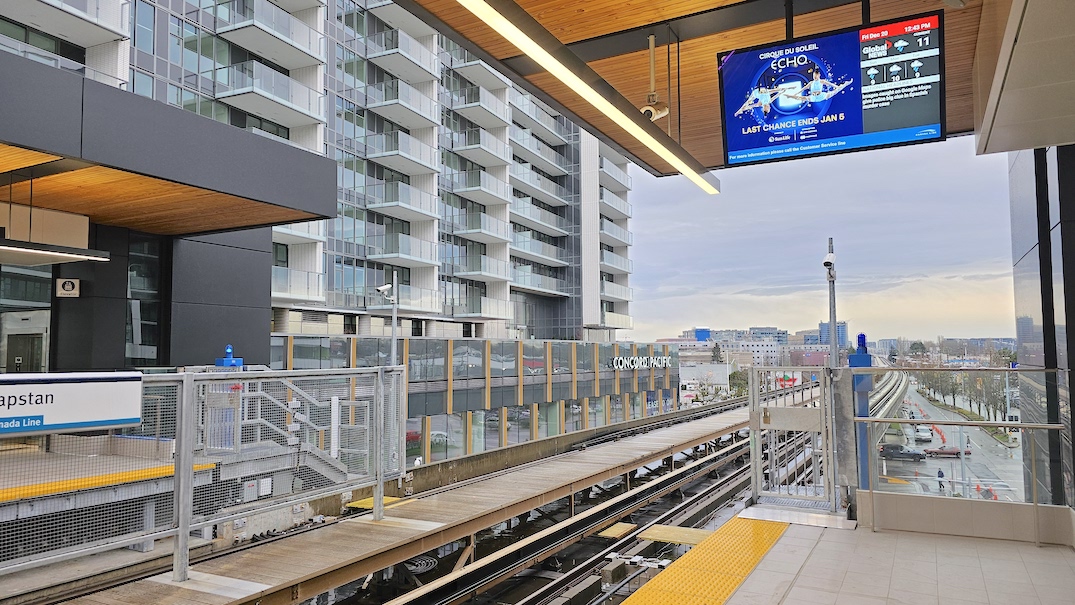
x=977 y=423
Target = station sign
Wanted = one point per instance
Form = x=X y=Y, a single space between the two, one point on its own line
x=641 y=363
x=69 y=402
x=861 y=88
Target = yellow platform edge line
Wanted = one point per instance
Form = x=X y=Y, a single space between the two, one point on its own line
x=714 y=569
x=108 y=479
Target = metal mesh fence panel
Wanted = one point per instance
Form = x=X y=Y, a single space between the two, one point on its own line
x=64 y=492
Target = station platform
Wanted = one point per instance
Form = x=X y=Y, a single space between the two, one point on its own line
x=300 y=567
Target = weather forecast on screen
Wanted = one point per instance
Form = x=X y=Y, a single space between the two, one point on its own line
x=864 y=88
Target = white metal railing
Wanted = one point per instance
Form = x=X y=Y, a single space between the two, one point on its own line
x=617 y=231
x=399 y=40
x=396 y=90
x=615 y=260
x=260 y=77
x=522 y=206
x=404 y=144
x=275 y=19
x=295 y=282
x=614 y=201
x=616 y=172
x=614 y=290
x=396 y=192
x=41 y=56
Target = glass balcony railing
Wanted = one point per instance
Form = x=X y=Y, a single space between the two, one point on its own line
x=482 y=264
x=399 y=91
x=526 y=174
x=273 y=18
x=615 y=260
x=402 y=143
x=616 y=172
x=476 y=95
x=399 y=40
x=480 y=221
x=525 y=277
x=36 y=54
x=535 y=246
x=111 y=14
x=314 y=229
x=617 y=232
x=473 y=137
x=268 y=81
x=485 y=307
x=293 y=282
x=614 y=290
x=479 y=179
x=399 y=193
x=614 y=201
x=523 y=206
x=410 y=297
x=525 y=138
x=539 y=115
x=617 y=320
x=399 y=244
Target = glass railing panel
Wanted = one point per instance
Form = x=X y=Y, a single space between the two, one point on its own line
x=523 y=206
x=537 y=246
x=526 y=174
x=480 y=221
x=107 y=13
x=615 y=260
x=472 y=179
x=615 y=201
x=274 y=19
x=482 y=96
x=617 y=320
x=295 y=282
x=403 y=143
x=616 y=290
x=523 y=102
x=483 y=264
x=403 y=245
x=311 y=228
x=36 y=54
x=395 y=39
x=401 y=193
x=615 y=172
x=251 y=74
x=525 y=277
x=525 y=138
x=616 y=231
x=398 y=90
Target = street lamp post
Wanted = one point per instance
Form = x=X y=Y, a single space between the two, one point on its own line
x=377 y=417
x=834 y=347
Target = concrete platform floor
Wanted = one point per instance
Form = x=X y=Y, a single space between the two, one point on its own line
x=826 y=566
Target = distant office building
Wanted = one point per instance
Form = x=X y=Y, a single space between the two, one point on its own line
x=769 y=333
x=804 y=337
x=885 y=345
x=700 y=334
x=841 y=333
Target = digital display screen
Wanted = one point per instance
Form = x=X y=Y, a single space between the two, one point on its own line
x=875 y=86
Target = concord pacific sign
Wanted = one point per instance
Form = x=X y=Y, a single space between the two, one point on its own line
x=641 y=363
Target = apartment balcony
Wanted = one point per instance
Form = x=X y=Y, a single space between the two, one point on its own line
x=524 y=212
x=402 y=152
x=616 y=292
x=402 y=250
x=411 y=298
x=403 y=104
x=484 y=308
x=614 y=206
x=271 y=32
x=297 y=286
x=263 y=91
x=536 y=151
x=617 y=320
x=480 y=186
x=299 y=233
x=614 y=263
x=475 y=70
x=482 y=268
x=538 y=251
x=481 y=227
x=533 y=184
x=536 y=119
x=526 y=280
x=479 y=146
x=613 y=178
x=398 y=17
x=82 y=22
x=41 y=56
x=615 y=235
x=481 y=106
x=399 y=53
x=402 y=201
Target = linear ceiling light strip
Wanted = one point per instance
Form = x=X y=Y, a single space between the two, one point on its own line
x=513 y=34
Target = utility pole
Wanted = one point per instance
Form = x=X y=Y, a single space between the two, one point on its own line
x=834 y=346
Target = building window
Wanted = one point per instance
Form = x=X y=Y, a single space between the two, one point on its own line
x=143 y=27
x=279 y=255
x=143 y=345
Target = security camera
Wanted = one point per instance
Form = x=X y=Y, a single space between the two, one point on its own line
x=655 y=111
x=830 y=259
x=384 y=289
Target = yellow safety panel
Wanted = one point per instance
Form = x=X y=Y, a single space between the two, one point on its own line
x=618 y=530
x=73 y=485
x=368 y=502
x=673 y=534
x=711 y=571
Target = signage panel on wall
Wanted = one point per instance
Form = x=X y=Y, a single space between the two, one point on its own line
x=876 y=86
x=68 y=402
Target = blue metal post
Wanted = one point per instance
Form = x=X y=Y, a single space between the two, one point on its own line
x=862 y=385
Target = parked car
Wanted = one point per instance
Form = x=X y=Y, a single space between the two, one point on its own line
x=948 y=451
x=923 y=434
x=895 y=451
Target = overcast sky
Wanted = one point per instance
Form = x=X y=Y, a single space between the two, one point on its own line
x=922 y=240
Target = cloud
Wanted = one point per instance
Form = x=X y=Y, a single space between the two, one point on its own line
x=922 y=239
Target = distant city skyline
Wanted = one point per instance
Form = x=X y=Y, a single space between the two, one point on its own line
x=922 y=238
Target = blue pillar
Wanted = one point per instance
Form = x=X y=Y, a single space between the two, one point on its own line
x=862 y=385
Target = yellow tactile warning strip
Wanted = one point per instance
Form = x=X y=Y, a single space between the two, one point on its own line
x=673 y=534
x=713 y=570
x=367 y=503
x=617 y=530
x=106 y=480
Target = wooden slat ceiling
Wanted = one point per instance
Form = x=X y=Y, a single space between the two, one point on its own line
x=122 y=199
x=573 y=21
x=14 y=158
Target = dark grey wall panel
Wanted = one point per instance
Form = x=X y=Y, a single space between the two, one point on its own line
x=200 y=333
x=180 y=146
x=220 y=275
x=40 y=106
x=251 y=239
